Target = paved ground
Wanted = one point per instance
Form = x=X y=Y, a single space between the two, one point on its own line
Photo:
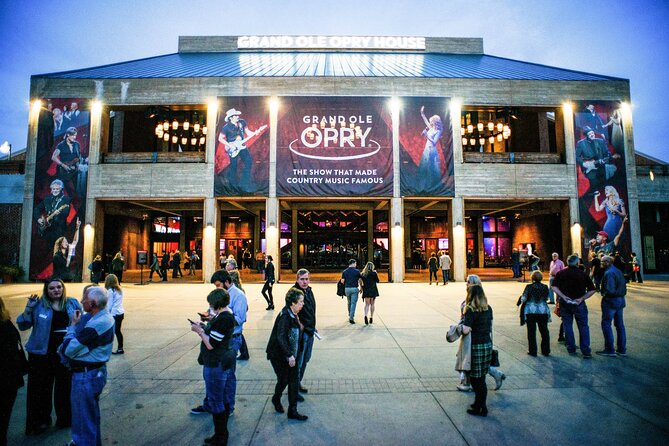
x=390 y=383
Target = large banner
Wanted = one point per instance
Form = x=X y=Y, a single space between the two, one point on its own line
x=334 y=147
x=242 y=147
x=61 y=174
x=426 y=148
x=602 y=179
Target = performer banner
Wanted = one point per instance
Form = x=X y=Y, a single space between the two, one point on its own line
x=61 y=173
x=602 y=178
x=334 y=147
x=426 y=148
x=242 y=147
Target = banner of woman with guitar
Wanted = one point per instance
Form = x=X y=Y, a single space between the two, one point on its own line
x=60 y=189
x=602 y=179
x=242 y=147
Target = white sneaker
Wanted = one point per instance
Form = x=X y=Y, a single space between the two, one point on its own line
x=464 y=388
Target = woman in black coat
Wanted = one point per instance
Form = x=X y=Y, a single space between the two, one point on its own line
x=478 y=322
x=369 y=290
x=11 y=369
x=269 y=283
x=282 y=352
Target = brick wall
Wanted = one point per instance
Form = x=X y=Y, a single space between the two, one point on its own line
x=10 y=232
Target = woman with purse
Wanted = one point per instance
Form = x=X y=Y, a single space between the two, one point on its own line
x=478 y=322
x=369 y=290
x=48 y=379
x=12 y=368
x=537 y=313
x=218 y=359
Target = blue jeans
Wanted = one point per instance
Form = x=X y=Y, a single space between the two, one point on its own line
x=612 y=310
x=85 y=399
x=516 y=269
x=551 y=294
x=580 y=313
x=304 y=355
x=216 y=383
x=444 y=273
x=352 y=299
x=231 y=381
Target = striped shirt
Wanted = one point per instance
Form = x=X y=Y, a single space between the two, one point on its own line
x=91 y=340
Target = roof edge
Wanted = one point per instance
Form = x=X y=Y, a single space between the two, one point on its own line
x=220 y=44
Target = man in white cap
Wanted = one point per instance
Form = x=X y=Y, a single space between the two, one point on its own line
x=234 y=135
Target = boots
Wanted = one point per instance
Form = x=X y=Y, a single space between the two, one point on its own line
x=276 y=400
x=293 y=414
x=220 y=437
x=499 y=377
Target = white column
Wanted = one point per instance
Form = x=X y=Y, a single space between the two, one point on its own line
x=272 y=223
x=458 y=240
x=89 y=224
x=212 y=116
x=29 y=188
x=456 y=111
x=212 y=222
x=632 y=190
x=575 y=228
x=396 y=204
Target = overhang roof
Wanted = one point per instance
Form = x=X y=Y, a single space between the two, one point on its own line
x=327 y=64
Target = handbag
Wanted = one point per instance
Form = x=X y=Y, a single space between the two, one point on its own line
x=494 y=360
x=556 y=310
x=340 y=289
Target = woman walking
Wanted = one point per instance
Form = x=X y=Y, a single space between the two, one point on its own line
x=218 y=360
x=269 y=284
x=97 y=270
x=369 y=290
x=115 y=305
x=117 y=265
x=155 y=267
x=432 y=266
x=537 y=313
x=48 y=379
x=478 y=322
x=282 y=352
x=11 y=369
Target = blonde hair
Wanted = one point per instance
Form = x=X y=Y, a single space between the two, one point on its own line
x=57 y=245
x=46 y=300
x=368 y=268
x=112 y=282
x=476 y=299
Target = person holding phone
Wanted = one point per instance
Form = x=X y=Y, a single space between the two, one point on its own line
x=218 y=358
x=49 y=381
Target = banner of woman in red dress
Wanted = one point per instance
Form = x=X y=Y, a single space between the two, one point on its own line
x=61 y=173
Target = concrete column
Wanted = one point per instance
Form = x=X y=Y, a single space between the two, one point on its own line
x=632 y=189
x=210 y=232
x=456 y=112
x=294 y=236
x=565 y=227
x=458 y=239
x=575 y=228
x=569 y=146
x=480 y=258
x=272 y=233
x=29 y=188
x=370 y=236
x=256 y=235
x=210 y=148
x=396 y=240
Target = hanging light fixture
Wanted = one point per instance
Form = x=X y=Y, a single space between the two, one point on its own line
x=184 y=140
x=175 y=138
x=479 y=130
x=166 y=137
x=196 y=127
x=175 y=124
x=204 y=130
x=193 y=141
x=186 y=124
x=166 y=125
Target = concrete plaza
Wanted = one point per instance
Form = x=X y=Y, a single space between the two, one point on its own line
x=389 y=383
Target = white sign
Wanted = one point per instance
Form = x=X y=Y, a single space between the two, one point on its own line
x=331 y=42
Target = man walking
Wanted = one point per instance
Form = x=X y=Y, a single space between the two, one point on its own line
x=557 y=265
x=164 y=263
x=573 y=287
x=613 y=290
x=308 y=319
x=515 y=263
x=445 y=264
x=352 y=280
x=87 y=346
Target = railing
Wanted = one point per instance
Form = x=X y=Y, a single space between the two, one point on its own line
x=153 y=157
x=512 y=157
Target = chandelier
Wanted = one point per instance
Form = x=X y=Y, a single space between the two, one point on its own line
x=182 y=132
x=476 y=131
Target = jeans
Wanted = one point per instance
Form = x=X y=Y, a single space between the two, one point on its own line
x=231 y=382
x=612 y=310
x=570 y=312
x=86 y=390
x=216 y=383
x=241 y=182
x=532 y=321
x=304 y=355
x=444 y=273
x=516 y=269
x=352 y=299
x=551 y=294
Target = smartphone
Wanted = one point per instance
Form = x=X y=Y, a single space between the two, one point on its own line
x=192 y=322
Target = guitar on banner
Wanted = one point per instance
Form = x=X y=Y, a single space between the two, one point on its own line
x=44 y=222
x=234 y=147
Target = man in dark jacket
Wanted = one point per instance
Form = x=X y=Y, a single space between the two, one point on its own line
x=308 y=319
x=613 y=291
x=164 y=264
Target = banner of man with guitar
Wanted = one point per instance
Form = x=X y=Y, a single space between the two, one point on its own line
x=242 y=149
x=60 y=187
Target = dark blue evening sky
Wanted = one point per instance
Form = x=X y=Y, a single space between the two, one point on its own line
x=616 y=38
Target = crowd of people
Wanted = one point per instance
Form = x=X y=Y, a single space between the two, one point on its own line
x=71 y=341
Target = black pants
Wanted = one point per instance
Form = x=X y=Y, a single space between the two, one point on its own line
x=286 y=376
x=163 y=273
x=7 y=399
x=48 y=380
x=267 y=293
x=119 y=274
x=435 y=276
x=157 y=271
x=244 y=349
x=118 y=320
x=532 y=321
x=636 y=276
x=480 y=392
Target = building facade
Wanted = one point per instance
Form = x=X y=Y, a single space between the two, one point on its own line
x=315 y=149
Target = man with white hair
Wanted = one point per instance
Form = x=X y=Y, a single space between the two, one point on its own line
x=87 y=347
